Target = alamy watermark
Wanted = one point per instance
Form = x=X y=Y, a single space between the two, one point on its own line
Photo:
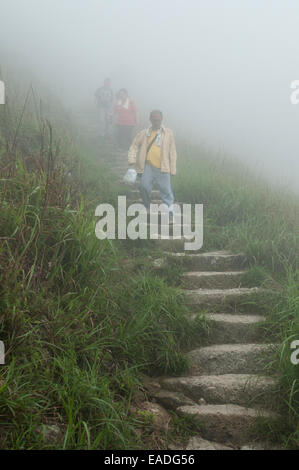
x=137 y=227
x=294 y=96
x=295 y=354
x=2 y=92
x=2 y=353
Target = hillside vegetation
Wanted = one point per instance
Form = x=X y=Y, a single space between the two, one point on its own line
x=83 y=320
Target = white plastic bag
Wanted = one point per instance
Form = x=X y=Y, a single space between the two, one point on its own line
x=130 y=176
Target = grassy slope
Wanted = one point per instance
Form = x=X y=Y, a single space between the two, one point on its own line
x=242 y=212
x=80 y=321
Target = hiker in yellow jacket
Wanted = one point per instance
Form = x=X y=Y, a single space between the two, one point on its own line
x=153 y=152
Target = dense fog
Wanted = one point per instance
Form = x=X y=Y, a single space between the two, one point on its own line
x=221 y=71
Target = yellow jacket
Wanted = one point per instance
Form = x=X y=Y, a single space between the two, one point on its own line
x=137 y=151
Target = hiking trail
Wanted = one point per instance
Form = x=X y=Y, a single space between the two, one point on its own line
x=226 y=388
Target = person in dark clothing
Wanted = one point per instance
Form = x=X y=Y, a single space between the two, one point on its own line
x=104 y=101
x=125 y=119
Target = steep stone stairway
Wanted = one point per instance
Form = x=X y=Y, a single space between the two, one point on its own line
x=226 y=388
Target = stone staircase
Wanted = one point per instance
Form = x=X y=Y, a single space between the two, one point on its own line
x=226 y=389
x=226 y=381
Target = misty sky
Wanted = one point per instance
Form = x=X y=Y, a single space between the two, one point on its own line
x=220 y=70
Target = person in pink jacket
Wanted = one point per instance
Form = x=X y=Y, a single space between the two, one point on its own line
x=125 y=119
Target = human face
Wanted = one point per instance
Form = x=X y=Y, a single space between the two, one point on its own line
x=122 y=95
x=156 y=120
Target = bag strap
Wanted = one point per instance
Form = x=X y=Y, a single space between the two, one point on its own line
x=151 y=143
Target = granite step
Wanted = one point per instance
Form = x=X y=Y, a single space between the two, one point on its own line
x=136 y=193
x=238 y=389
x=172 y=399
x=234 y=328
x=196 y=298
x=209 y=261
x=158 y=231
x=228 y=424
x=174 y=243
x=198 y=443
x=139 y=201
x=222 y=359
x=121 y=167
x=211 y=279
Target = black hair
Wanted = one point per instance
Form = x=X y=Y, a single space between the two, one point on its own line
x=156 y=111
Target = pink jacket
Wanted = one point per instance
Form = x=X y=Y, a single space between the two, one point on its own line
x=125 y=116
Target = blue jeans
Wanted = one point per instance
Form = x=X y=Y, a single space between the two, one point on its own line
x=151 y=175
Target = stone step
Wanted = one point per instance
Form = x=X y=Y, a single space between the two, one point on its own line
x=222 y=359
x=139 y=201
x=118 y=155
x=120 y=181
x=194 y=315
x=120 y=172
x=228 y=424
x=172 y=399
x=159 y=231
x=121 y=167
x=234 y=328
x=211 y=279
x=136 y=193
x=261 y=446
x=157 y=201
x=175 y=230
x=196 y=298
x=238 y=389
x=209 y=261
x=182 y=228
x=172 y=243
x=117 y=163
x=198 y=443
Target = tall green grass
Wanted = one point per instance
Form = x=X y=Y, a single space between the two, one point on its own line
x=81 y=322
x=79 y=325
x=243 y=212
